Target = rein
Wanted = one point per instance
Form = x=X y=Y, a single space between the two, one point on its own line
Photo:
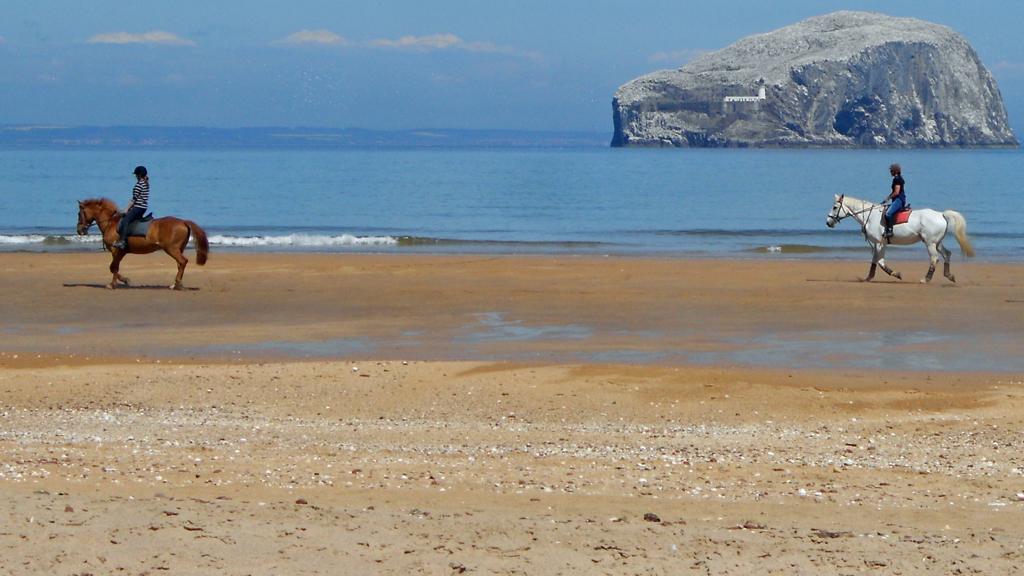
x=854 y=213
x=100 y=223
x=863 y=223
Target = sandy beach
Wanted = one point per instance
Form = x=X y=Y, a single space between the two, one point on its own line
x=385 y=414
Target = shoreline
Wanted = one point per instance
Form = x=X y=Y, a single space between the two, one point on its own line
x=710 y=244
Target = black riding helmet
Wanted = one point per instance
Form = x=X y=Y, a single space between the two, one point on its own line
x=140 y=171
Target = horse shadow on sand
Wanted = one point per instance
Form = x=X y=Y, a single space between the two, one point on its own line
x=132 y=287
x=875 y=282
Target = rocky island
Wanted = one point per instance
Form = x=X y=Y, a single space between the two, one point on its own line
x=846 y=79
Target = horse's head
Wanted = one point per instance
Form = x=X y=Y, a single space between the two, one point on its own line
x=95 y=210
x=86 y=218
x=835 y=215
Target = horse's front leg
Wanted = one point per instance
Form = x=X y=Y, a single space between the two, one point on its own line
x=874 y=263
x=115 y=266
x=880 y=259
x=889 y=271
x=871 y=271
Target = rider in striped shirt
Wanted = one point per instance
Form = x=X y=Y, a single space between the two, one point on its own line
x=136 y=208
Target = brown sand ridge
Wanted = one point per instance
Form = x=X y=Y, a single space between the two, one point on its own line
x=468 y=415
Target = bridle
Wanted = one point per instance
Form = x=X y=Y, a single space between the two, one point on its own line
x=842 y=207
x=84 y=226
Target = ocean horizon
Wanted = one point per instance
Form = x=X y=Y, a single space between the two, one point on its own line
x=60 y=137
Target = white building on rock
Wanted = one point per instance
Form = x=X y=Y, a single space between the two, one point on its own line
x=761 y=95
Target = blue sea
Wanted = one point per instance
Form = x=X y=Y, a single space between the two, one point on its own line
x=760 y=204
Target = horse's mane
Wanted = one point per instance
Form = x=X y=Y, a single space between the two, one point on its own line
x=863 y=203
x=104 y=202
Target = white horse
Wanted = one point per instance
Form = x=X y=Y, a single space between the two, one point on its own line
x=925 y=225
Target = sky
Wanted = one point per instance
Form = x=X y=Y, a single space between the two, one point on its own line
x=399 y=64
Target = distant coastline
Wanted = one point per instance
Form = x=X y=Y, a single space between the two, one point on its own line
x=108 y=137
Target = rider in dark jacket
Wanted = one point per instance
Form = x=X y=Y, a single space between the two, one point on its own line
x=897 y=198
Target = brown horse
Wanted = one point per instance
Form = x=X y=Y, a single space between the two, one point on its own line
x=169 y=234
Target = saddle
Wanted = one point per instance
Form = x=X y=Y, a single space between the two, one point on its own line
x=902 y=216
x=141 y=226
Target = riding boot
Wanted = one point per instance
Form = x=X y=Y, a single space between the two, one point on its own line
x=127 y=218
x=887 y=234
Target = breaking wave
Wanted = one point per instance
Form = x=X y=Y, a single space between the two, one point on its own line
x=302 y=241
x=299 y=241
x=14 y=240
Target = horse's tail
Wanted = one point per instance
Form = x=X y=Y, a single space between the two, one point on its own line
x=959 y=225
x=202 y=244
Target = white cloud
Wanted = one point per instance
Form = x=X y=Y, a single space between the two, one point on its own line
x=679 y=57
x=428 y=43
x=446 y=42
x=325 y=37
x=432 y=42
x=153 y=37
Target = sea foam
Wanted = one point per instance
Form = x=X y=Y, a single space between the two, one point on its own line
x=48 y=239
x=270 y=241
x=302 y=240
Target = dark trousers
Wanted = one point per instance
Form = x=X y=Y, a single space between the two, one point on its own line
x=130 y=216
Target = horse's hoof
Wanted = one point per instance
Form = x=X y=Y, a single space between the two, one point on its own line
x=897 y=275
x=123 y=281
x=112 y=286
x=923 y=280
x=175 y=286
x=952 y=279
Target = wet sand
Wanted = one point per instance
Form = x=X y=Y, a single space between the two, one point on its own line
x=514 y=308
x=533 y=415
